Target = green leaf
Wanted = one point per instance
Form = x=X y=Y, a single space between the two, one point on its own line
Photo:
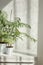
x=28 y=36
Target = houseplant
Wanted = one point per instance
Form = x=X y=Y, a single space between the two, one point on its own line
x=9 y=30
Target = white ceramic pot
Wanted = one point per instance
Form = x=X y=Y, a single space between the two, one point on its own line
x=2 y=48
x=9 y=51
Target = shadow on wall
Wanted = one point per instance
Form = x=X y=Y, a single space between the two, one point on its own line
x=3 y=3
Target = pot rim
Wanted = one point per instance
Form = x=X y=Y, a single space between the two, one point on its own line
x=9 y=46
x=3 y=42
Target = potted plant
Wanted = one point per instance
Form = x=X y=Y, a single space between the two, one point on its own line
x=9 y=30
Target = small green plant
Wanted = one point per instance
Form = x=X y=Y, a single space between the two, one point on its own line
x=9 y=30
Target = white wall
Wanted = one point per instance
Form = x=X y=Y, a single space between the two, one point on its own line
x=34 y=23
x=40 y=34
x=27 y=10
x=20 y=10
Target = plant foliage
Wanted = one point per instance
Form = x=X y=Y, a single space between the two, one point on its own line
x=9 y=30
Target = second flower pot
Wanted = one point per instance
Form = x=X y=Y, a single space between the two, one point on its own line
x=9 y=50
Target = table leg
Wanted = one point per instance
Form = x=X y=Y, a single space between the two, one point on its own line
x=4 y=59
x=20 y=59
x=0 y=60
